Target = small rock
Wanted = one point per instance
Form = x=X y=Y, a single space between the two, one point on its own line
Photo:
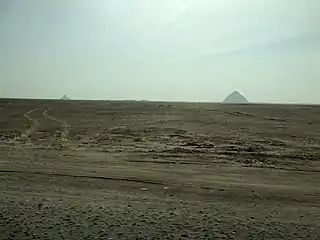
x=144 y=189
x=255 y=194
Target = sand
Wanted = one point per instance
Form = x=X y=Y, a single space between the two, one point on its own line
x=148 y=170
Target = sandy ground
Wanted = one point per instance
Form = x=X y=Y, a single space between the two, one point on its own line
x=143 y=170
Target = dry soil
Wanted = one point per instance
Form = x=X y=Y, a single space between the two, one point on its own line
x=156 y=170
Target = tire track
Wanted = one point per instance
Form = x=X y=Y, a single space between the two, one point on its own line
x=65 y=125
x=33 y=127
x=54 y=174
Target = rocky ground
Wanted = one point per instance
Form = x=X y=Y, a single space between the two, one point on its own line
x=145 y=170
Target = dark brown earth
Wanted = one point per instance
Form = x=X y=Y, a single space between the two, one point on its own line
x=143 y=170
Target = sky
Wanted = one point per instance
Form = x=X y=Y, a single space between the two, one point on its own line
x=173 y=50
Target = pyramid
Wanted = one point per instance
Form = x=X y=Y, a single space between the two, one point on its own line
x=235 y=98
x=65 y=97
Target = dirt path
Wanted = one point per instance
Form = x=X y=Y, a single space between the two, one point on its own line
x=33 y=127
x=65 y=125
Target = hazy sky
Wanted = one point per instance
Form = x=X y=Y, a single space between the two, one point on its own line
x=191 y=50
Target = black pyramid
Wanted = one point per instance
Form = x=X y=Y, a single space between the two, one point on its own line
x=65 y=97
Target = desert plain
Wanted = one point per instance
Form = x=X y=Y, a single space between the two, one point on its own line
x=158 y=170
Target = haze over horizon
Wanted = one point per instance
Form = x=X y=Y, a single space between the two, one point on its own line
x=173 y=50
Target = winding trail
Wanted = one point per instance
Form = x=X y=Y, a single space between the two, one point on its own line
x=34 y=125
x=65 y=125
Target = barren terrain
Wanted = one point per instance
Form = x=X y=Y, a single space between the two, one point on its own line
x=156 y=170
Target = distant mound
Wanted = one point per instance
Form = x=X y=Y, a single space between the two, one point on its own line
x=235 y=98
x=65 y=97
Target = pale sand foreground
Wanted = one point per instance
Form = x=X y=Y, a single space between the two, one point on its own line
x=140 y=170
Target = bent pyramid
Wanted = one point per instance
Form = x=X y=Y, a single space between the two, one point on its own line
x=235 y=98
x=65 y=97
